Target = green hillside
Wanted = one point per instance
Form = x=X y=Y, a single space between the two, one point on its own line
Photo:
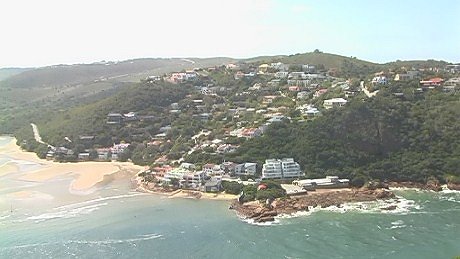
x=387 y=137
x=64 y=86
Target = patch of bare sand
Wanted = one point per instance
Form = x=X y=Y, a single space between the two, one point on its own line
x=8 y=168
x=14 y=151
x=86 y=174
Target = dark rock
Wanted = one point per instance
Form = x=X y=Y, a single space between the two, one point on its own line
x=454 y=186
x=266 y=219
x=384 y=194
x=392 y=207
x=433 y=185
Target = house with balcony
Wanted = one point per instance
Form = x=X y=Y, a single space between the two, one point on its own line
x=281 y=169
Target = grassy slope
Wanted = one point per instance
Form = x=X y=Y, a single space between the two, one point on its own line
x=60 y=75
x=326 y=59
x=66 y=84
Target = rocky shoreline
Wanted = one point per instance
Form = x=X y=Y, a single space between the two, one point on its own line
x=429 y=186
x=264 y=212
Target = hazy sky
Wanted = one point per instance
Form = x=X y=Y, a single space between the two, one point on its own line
x=47 y=32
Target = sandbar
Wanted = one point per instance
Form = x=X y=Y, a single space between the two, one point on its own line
x=86 y=174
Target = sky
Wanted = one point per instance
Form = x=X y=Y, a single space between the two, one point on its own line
x=50 y=32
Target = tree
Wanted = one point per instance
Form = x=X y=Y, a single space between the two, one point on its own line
x=93 y=154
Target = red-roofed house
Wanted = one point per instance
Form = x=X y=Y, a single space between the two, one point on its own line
x=161 y=170
x=319 y=92
x=294 y=88
x=251 y=132
x=437 y=81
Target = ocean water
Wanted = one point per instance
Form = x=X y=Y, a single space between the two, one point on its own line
x=115 y=222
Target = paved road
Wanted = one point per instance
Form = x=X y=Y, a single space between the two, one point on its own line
x=37 y=136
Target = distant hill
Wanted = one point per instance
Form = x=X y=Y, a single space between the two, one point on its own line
x=68 y=85
x=11 y=71
x=344 y=66
x=416 y=63
x=326 y=59
x=60 y=75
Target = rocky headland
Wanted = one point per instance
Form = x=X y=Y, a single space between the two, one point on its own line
x=266 y=211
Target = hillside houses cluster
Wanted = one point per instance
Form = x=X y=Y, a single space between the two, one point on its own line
x=229 y=104
x=96 y=154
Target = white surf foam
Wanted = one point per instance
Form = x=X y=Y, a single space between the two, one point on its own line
x=118 y=241
x=5 y=217
x=67 y=213
x=90 y=242
x=397 y=224
x=451 y=199
x=446 y=190
x=398 y=205
x=73 y=205
x=262 y=224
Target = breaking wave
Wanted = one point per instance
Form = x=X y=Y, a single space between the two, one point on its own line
x=138 y=238
x=67 y=213
x=81 y=208
x=262 y=224
x=73 y=205
x=398 y=205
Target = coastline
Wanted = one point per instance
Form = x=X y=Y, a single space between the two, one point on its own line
x=180 y=193
x=87 y=175
x=260 y=212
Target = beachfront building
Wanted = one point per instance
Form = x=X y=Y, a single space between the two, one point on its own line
x=176 y=173
x=290 y=168
x=322 y=183
x=281 y=169
x=213 y=185
x=212 y=170
x=246 y=169
x=193 y=179
x=117 y=149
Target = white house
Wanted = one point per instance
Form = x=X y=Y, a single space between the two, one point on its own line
x=281 y=74
x=334 y=102
x=382 y=80
x=194 y=179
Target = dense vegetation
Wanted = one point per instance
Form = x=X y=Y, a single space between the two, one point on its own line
x=271 y=190
x=410 y=138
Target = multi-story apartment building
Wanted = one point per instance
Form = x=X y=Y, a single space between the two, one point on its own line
x=281 y=169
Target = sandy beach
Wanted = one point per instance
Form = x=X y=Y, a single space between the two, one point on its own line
x=203 y=195
x=179 y=193
x=86 y=174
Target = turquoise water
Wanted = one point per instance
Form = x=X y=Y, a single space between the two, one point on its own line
x=114 y=222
